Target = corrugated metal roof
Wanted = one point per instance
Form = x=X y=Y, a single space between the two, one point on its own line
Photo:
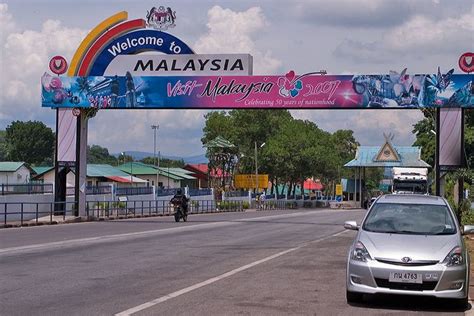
x=99 y=170
x=126 y=179
x=180 y=172
x=10 y=166
x=42 y=169
x=138 y=168
x=365 y=156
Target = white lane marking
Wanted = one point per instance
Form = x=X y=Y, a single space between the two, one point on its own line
x=196 y=286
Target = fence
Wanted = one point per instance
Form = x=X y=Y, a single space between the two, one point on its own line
x=26 y=213
x=273 y=205
x=199 y=192
x=124 y=209
x=27 y=188
x=236 y=194
x=92 y=190
x=134 y=191
x=166 y=192
x=23 y=212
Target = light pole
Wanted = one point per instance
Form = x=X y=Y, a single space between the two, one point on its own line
x=131 y=168
x=256 y=167
x=154 y=128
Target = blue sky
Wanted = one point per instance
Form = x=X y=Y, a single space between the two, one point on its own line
x=341 y=36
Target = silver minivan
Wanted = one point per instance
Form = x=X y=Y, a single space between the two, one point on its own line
x=410 y=245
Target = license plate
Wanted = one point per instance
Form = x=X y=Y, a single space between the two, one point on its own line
x=405 y=277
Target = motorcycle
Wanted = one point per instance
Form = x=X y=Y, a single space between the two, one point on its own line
x=179 y=212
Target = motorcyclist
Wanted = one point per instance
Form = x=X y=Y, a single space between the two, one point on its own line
x=182 y=200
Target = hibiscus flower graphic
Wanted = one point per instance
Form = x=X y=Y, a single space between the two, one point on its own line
x=289 y=86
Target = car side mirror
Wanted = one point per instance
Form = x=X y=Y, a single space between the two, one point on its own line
x=352 y=225
x=468 y=229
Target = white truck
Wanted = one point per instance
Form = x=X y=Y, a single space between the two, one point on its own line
x=410 y=180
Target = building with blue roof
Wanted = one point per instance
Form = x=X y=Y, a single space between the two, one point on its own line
x=386 y=156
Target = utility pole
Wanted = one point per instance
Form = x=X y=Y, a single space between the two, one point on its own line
x=256 y=170
x=256 y=167
x=155 y=128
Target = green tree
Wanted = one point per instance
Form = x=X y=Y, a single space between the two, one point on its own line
x=3 y=148
x=31 y=142
x=164 y=162
x=100 y=155
x=425 y=137
x=217 y=124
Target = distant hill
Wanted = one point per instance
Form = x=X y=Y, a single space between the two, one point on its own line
x=139 y=155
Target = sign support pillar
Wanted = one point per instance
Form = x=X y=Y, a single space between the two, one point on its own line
x=81 y=165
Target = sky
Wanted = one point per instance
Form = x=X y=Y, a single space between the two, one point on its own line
x=339 y=36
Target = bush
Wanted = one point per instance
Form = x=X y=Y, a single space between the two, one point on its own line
x=245 y=205
x=466 y=213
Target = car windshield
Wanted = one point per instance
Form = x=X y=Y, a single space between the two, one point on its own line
x=416 y=219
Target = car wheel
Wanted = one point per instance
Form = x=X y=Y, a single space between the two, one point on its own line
x=353 y=297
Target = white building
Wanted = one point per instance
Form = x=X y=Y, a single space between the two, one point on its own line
x=12 y=172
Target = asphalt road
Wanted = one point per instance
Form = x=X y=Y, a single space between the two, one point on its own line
x=253 y=263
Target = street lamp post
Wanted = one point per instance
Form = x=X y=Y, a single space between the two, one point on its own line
x=256 y=167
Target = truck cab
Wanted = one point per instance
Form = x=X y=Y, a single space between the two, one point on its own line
x=410 y=180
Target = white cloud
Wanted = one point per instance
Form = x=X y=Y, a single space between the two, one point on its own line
x=232 y=32
x=349 y=13
x=25 y=57
x=421 y=37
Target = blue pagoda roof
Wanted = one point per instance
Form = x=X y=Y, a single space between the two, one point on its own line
x=366 y=156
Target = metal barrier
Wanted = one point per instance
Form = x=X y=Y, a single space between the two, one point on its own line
x=114 y=209
x=18 y=213
x=44 y=212
x=272 y=205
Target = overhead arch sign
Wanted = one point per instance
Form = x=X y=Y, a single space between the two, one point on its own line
x=285 y=91
x=135 y=64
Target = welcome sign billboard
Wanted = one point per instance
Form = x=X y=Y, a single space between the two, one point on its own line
x=307 y=91
x=180 y=65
